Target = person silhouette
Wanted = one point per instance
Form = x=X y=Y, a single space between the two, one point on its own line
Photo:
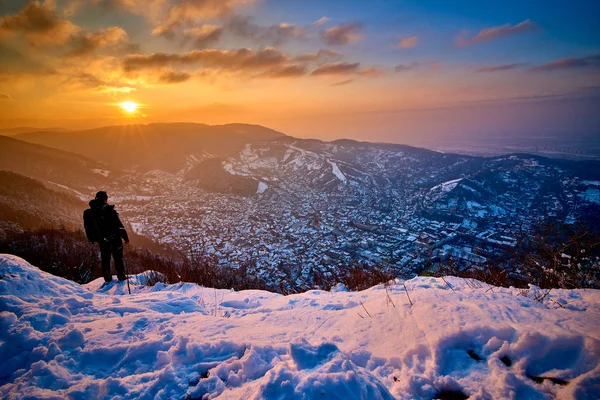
x=103 y=226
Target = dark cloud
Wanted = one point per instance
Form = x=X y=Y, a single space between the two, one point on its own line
x=203 y=36
x=38 y=23
x=172 y=77
x=265 y=63
x=404 y=67
x=498 y=68
x=85 y=44
x=241 y=59
x=324 y=55
x=497 y=32
x=342 y=35
x=243 y=26
x=337 y=68
x=285 y=71
x=110 y=5
x=14 y=63
x=592 y=61
x=343 y=83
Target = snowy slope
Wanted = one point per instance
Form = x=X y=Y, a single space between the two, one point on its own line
x=62 y=340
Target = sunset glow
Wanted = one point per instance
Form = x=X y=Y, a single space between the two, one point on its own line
x=388 y=71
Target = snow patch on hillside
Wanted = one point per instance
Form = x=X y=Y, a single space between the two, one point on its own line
x=102 y=172
x=59 y=339
x=262 y=187
x=77 y=194
x=446 y=186
x=440 y=190
x=336 y=171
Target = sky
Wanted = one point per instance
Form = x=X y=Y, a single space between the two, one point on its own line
x=379 y=70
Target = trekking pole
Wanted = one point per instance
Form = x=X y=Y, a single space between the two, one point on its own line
x=127 y=277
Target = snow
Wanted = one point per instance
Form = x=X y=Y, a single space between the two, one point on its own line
x=102 y=172
x=137 y=227
x=59 y=339
x=438 y=191
x=591 y=183
x=336 y=171
x=446 y=186
x=262 y=187
x=79 y=195
x=591 y=195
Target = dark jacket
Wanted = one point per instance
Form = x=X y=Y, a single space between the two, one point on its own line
x=102 y=222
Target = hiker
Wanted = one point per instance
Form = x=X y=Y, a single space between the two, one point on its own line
x=102 y=225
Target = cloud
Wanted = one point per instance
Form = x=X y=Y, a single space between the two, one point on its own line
x=285 y=71
x=265 y=63
x=337 y=68
x=85 y=44
x=5 y=97
x=346 y=68
x=39 y=23
x=172 y=77
x=73 y=7
x=407 y=43
x=342 y=35
x=497 y=32
x=320 y=22
x=321 y=55
x=404 y=67
x=592 y=61
x=342 y=83
x=203 y=36
x=101 y=89
x=153 y=10
x=14 y=63
x=190 y=11
x=372 y=72
x=498 y=68
x=243 y=26
x=241 y=59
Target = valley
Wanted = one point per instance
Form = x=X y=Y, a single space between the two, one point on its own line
x=297 y=211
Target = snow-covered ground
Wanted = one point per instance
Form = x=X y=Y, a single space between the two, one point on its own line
x=59 y=339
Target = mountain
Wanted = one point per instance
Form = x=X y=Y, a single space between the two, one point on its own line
x=60 y=169
x=31 y=205
x=167 y=147
x=425 y=180
x=344 y=166
x=16 y=131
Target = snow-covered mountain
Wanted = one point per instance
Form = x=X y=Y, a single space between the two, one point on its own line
x=449 y=186
x=422 y=338
x=341 y=166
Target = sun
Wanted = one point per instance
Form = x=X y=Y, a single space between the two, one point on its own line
x=129 y=106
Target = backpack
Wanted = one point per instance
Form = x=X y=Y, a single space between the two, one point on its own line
x=90 y=223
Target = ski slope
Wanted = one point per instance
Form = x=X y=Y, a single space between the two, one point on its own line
x=59 y=339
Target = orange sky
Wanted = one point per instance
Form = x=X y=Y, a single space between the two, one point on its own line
x=319 y=71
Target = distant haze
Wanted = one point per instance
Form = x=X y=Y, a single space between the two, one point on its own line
x=556 y=126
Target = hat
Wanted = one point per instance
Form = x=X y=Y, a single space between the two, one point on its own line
x=102 y=196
